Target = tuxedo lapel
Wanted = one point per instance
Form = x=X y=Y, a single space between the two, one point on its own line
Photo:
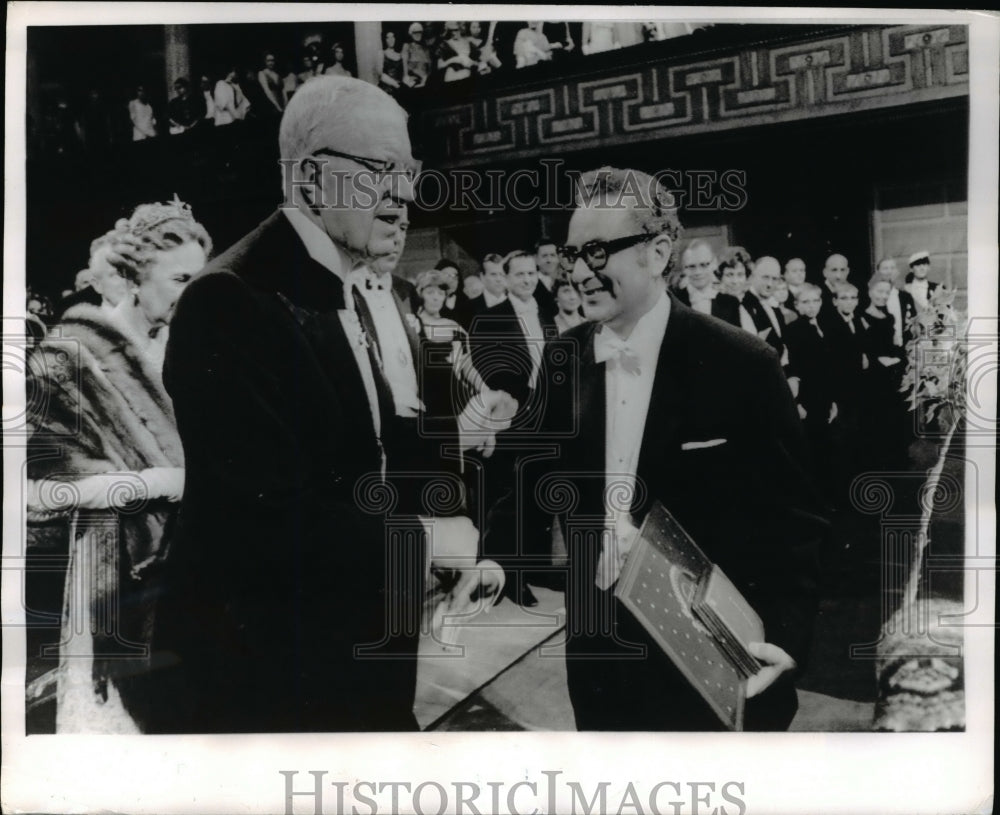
x=659 y=447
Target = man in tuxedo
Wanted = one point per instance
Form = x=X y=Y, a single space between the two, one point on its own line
x=287 y=599
x=701 y=269
x=509 y=337
x=508 y=341
x=846 y=336
x=653 y=402
x=900 y=303
x=917 y=285
x=413 y=442
x=810 y=365
x=767 y=318
x=835 y=272
x=547 y=261
x=494 y=291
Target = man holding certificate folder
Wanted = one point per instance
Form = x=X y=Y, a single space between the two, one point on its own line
x=658 y=403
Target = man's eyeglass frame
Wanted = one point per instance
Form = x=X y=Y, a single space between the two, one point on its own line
x=596 y=253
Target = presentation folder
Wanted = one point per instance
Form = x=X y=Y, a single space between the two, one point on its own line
x=693 y=612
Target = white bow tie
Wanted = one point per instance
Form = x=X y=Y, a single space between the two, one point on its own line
x=607 y=346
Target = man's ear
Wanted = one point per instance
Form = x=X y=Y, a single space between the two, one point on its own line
x=310 y=173
x=660 y=250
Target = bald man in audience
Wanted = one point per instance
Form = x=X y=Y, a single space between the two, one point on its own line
x=701 y=268
x=835 y=272
x=900 y=303
x=795 y=278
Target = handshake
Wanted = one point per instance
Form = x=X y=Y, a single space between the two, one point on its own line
x=488 y=413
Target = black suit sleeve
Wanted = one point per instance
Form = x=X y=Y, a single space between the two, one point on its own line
x=784 y=590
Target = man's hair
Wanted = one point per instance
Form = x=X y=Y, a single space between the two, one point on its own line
x=544 y=242
x=849 y=288
x=694 y=243
x=652 y=207
x=885 y=259
x=182 y=81
x=834 y=255
x=321 y=110
x=493 y=257
x=445 y=263
x=153 y=228
x=807 y=288
x=733 y=256
x=520 y=253
x=767 y=260
x=791 y=260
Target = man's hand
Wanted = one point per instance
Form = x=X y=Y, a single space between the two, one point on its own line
x=775 y=663
x=487 y=577
x=453 y=543
x=488 y=413
x=833 y=413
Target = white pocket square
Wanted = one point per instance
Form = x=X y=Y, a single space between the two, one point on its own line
x=699 y=445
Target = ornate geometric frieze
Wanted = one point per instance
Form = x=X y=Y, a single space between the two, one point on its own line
x=861 y=68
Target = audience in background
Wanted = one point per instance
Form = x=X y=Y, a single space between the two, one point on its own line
x=337 y=67
x=140 y=112
x=186 y=110
x=417 y=62
x=271 y=83
x=391 y=78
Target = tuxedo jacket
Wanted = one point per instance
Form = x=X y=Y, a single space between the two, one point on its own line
x=406 y=294
x=723 y=450
x=811 y=360
x=724 y=306
x=277 y=598
x=847 y=353
x=500 y=349
x=754 y=307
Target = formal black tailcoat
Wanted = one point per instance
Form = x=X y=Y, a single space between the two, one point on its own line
x=279 y=615
x=745 y=498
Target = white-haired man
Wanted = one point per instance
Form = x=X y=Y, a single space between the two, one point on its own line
x=287 y=605
x=650 y=401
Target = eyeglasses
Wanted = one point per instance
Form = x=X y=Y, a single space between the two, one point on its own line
x=596 y=253
x=381 y=167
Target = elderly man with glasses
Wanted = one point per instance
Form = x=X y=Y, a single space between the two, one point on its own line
x=659 y=403
x=291 y=603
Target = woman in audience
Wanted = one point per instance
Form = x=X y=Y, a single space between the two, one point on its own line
x=337 y=67
x=884 y=414
x=568 y=300
x=484 y=44
x=120 y=474
x=391 y=79
x=416 y=58
x=455 y=56
x=735 y=267
x=439 y=390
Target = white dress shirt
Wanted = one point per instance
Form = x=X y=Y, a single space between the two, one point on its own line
x=330 y=256
x=701 y=299
x=531 y=327
x=920 y=292
x=397 y=356
x=628 y=380
x=896 y=310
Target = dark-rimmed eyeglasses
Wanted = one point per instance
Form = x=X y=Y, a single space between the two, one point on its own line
x=596 y=253
x=379 y=166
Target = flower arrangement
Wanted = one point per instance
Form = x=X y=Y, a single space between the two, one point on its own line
x=937 y=357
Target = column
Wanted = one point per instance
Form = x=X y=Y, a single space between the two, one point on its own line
x=368 y=50
x=177 y=56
